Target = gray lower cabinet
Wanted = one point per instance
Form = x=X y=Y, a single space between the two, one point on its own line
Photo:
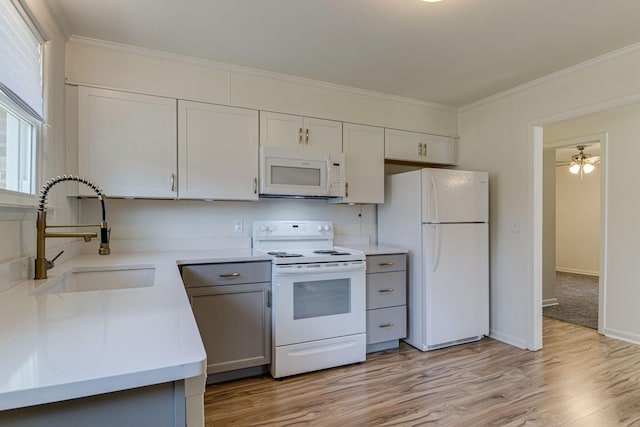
x=232 y=307
x=160 y=405
x=386 y=301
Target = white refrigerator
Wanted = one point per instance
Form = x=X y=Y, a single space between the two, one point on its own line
x=441 y=217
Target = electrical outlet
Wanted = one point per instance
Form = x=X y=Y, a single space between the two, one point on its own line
x=237 y=226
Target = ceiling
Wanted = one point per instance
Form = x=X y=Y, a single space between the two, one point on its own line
x=451 y=53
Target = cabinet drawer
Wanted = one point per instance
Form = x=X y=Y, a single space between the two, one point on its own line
x=386 y=324
x=379 y=263
x=237 y=273
x=386 y=289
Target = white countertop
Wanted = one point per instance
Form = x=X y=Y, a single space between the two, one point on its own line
x=378 y=250
x=60 y=346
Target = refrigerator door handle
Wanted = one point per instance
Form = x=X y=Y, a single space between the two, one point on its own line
x=435 y=259
x=436 y=204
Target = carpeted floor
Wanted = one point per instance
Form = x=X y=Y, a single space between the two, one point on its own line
x=577 y=296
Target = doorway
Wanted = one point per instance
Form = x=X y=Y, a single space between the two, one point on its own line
x=571 y=229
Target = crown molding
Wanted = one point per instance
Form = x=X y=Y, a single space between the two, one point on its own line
x=57 y=16
x=553 y=76
x=135 y=50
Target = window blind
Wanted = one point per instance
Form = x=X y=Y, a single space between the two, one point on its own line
x=20 y=61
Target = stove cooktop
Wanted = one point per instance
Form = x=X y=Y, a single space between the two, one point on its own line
x=295 y=256
x=281 y=254
x=331 y=252
x=300 y=242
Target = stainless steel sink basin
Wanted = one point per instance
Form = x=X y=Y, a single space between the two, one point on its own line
x=82 y=279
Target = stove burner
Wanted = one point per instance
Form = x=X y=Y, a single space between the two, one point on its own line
x=281 y=254
x=330 y=252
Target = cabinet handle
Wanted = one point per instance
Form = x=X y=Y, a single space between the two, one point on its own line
x=255 y=185
x=346 y=189
x=230 y=275
x=300 y=136
x=306 y=137
x=386 y=291
x=425 y=148
x=269 y=299
x=173 y=182
x=386 y=264
x=385 y=325
x=419 y=149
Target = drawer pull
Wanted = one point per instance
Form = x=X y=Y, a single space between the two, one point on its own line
x=387 y=264
x=385 y=325
x=230 y=275
x=386 y=291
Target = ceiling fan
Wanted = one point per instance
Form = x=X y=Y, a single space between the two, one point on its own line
x=581 y=163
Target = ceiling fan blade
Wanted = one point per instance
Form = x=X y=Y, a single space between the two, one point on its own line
x=594 y=159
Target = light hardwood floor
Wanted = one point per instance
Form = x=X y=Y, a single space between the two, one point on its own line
x=579 y=379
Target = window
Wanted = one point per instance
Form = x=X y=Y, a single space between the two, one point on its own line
x=17 y=137
x=21 y=100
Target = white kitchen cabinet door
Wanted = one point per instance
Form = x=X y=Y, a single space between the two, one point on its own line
x=217 y=152
x=281 y=130
x=127 y=143
x=364 y=151
x=287 y=130
x=320 y=134
x=419 y=147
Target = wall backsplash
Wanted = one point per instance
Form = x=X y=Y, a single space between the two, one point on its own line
x=186 y=219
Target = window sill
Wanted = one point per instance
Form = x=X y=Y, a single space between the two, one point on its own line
x=17 y=207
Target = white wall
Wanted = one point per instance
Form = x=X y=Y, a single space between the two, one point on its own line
x=497 y=135
x=184 y=224
x=578 y=222
x=17 y=223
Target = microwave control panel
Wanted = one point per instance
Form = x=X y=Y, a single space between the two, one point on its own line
x=337 y=179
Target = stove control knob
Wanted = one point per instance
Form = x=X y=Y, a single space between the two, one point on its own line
x=264 y=229
x=319 y=228
x=326 y=227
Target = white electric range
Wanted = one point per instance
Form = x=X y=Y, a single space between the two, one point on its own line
x=319 y=297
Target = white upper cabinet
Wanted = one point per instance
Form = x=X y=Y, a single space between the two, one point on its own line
x=286 y=130
x=364 y=151
x=419 y=147
x=217 y=152
x=127 y=143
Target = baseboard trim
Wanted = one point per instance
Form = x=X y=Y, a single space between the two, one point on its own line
x=622 y=335
x=578 y=271
x=508 y=339
x=549 y=302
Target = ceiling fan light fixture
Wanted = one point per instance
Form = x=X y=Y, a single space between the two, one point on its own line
x=588 y=168
x=574 y=168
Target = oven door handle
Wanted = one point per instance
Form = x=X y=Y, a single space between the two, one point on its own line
x=319 y=270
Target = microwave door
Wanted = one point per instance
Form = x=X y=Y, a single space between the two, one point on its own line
x=285 y=176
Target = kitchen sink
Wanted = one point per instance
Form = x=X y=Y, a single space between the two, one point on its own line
x=82 y=279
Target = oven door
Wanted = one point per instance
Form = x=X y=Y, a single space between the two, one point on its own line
x=318 y=301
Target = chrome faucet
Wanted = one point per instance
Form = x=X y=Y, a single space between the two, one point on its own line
x=42 y=264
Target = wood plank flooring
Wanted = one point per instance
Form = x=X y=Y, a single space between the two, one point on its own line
x=579 y=379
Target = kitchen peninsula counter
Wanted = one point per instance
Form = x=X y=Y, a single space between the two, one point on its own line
x=68 y=345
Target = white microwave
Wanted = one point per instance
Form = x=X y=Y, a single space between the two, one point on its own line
x=301 y=172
